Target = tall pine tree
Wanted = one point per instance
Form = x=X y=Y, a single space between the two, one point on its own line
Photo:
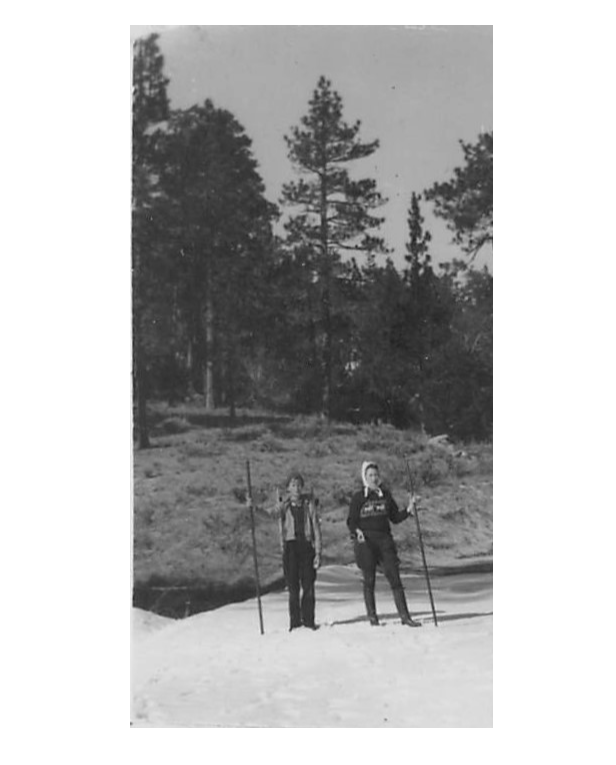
x=219 y=225
x=150 y=106
x=417 y=248
x=330 y=212
x=465 y=201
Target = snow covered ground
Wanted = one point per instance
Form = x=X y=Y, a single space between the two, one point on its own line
x=215 y=670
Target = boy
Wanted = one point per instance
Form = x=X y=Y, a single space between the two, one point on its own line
x=300 y=539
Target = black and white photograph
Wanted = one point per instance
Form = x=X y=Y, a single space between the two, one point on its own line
x=311 y=317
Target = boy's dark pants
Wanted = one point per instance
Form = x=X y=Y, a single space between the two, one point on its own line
x=299 y=571
x=380 y=548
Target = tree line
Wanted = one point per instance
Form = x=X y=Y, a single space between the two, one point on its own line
x=319 y=319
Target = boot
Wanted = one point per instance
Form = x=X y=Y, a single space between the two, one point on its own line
x=402 y=608
x=370 y=602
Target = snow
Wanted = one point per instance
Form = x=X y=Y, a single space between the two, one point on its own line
x=215 y=669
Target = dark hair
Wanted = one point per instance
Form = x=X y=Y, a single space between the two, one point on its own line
x=297 y=476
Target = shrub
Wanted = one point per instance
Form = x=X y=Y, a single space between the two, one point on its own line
x=429 y=471
x=342 y=496
x=301 y=427
x=174 y=425
x=245 y=433
x=318 y=449
x=267 y=443
x=202 y=449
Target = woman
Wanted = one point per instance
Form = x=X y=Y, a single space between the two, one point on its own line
x=370 y=513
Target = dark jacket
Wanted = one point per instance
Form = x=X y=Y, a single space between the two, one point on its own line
x=373 y=510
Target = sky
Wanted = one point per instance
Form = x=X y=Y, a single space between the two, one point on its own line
x=418 y=89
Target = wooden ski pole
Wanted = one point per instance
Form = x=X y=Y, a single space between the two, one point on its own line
x=254 y=546
x=421 y=545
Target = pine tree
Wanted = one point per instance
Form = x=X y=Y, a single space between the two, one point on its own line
x=417 y=248
x=379 y=375
x=465 y=202
x=428 y=313
x=330 y=212
x=150 y=106
x=219 y=225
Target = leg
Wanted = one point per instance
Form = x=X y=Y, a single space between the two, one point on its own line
x=291 y=568
x=307 y=578
x=366 y=560
x=391 y=569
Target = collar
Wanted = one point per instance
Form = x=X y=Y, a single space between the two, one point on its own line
x=378 y=491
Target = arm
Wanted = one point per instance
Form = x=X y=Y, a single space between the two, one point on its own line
x=281 y=532
x=275 y=511
x=353 y=518
x=409 y=511
x=316 y=526
x=268 y=512
x=395 y=514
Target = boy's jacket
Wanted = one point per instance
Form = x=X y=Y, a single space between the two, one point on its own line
x=312 y=526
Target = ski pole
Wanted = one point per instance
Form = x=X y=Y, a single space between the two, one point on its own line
x=254 y=546
x=421 y=545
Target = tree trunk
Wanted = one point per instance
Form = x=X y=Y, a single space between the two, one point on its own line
x=327 y=324
x=327 y=356
x=208 y=368
x=190 y=364
x=195 y=345
x=231 y=384
x=139 y=366
x=140 y=395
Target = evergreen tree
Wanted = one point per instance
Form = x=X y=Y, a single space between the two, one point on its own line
x=219 y=225
x=378 y=373
x=330 y=212
x=465 y=202
x=457 y=382
x=150 y=106
x=428 y=310
x=417 y=254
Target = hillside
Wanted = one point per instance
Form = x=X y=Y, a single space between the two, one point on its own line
x=191 y=528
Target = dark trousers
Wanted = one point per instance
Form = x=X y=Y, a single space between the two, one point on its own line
x=300 y=574
x=380 y=548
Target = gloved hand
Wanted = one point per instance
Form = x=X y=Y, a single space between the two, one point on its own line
x=413 y=505
x=317 y=560
x=359 y=536
x=279 y=500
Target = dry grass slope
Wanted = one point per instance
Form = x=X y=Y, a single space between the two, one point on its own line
x=191 y=527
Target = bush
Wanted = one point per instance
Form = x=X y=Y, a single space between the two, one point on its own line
x=245 y=433
x=268 y=443
x=301 y=427
x=173 y=425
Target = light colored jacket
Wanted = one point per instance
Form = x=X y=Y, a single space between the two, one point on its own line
x=312 y=523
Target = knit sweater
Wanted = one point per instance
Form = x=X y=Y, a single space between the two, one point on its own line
x=372 y=511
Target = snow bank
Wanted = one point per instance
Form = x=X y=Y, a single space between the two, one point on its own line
x=215 y=669
x=145 y=622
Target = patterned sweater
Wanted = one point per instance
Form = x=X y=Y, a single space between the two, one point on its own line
x=373 y=510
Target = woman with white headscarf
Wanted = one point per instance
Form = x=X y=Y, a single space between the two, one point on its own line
x=370 y=513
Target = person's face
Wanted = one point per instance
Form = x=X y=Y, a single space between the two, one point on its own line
x=295 y=487
x=372 y=477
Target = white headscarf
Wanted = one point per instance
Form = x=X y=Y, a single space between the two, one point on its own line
x=365 y=465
